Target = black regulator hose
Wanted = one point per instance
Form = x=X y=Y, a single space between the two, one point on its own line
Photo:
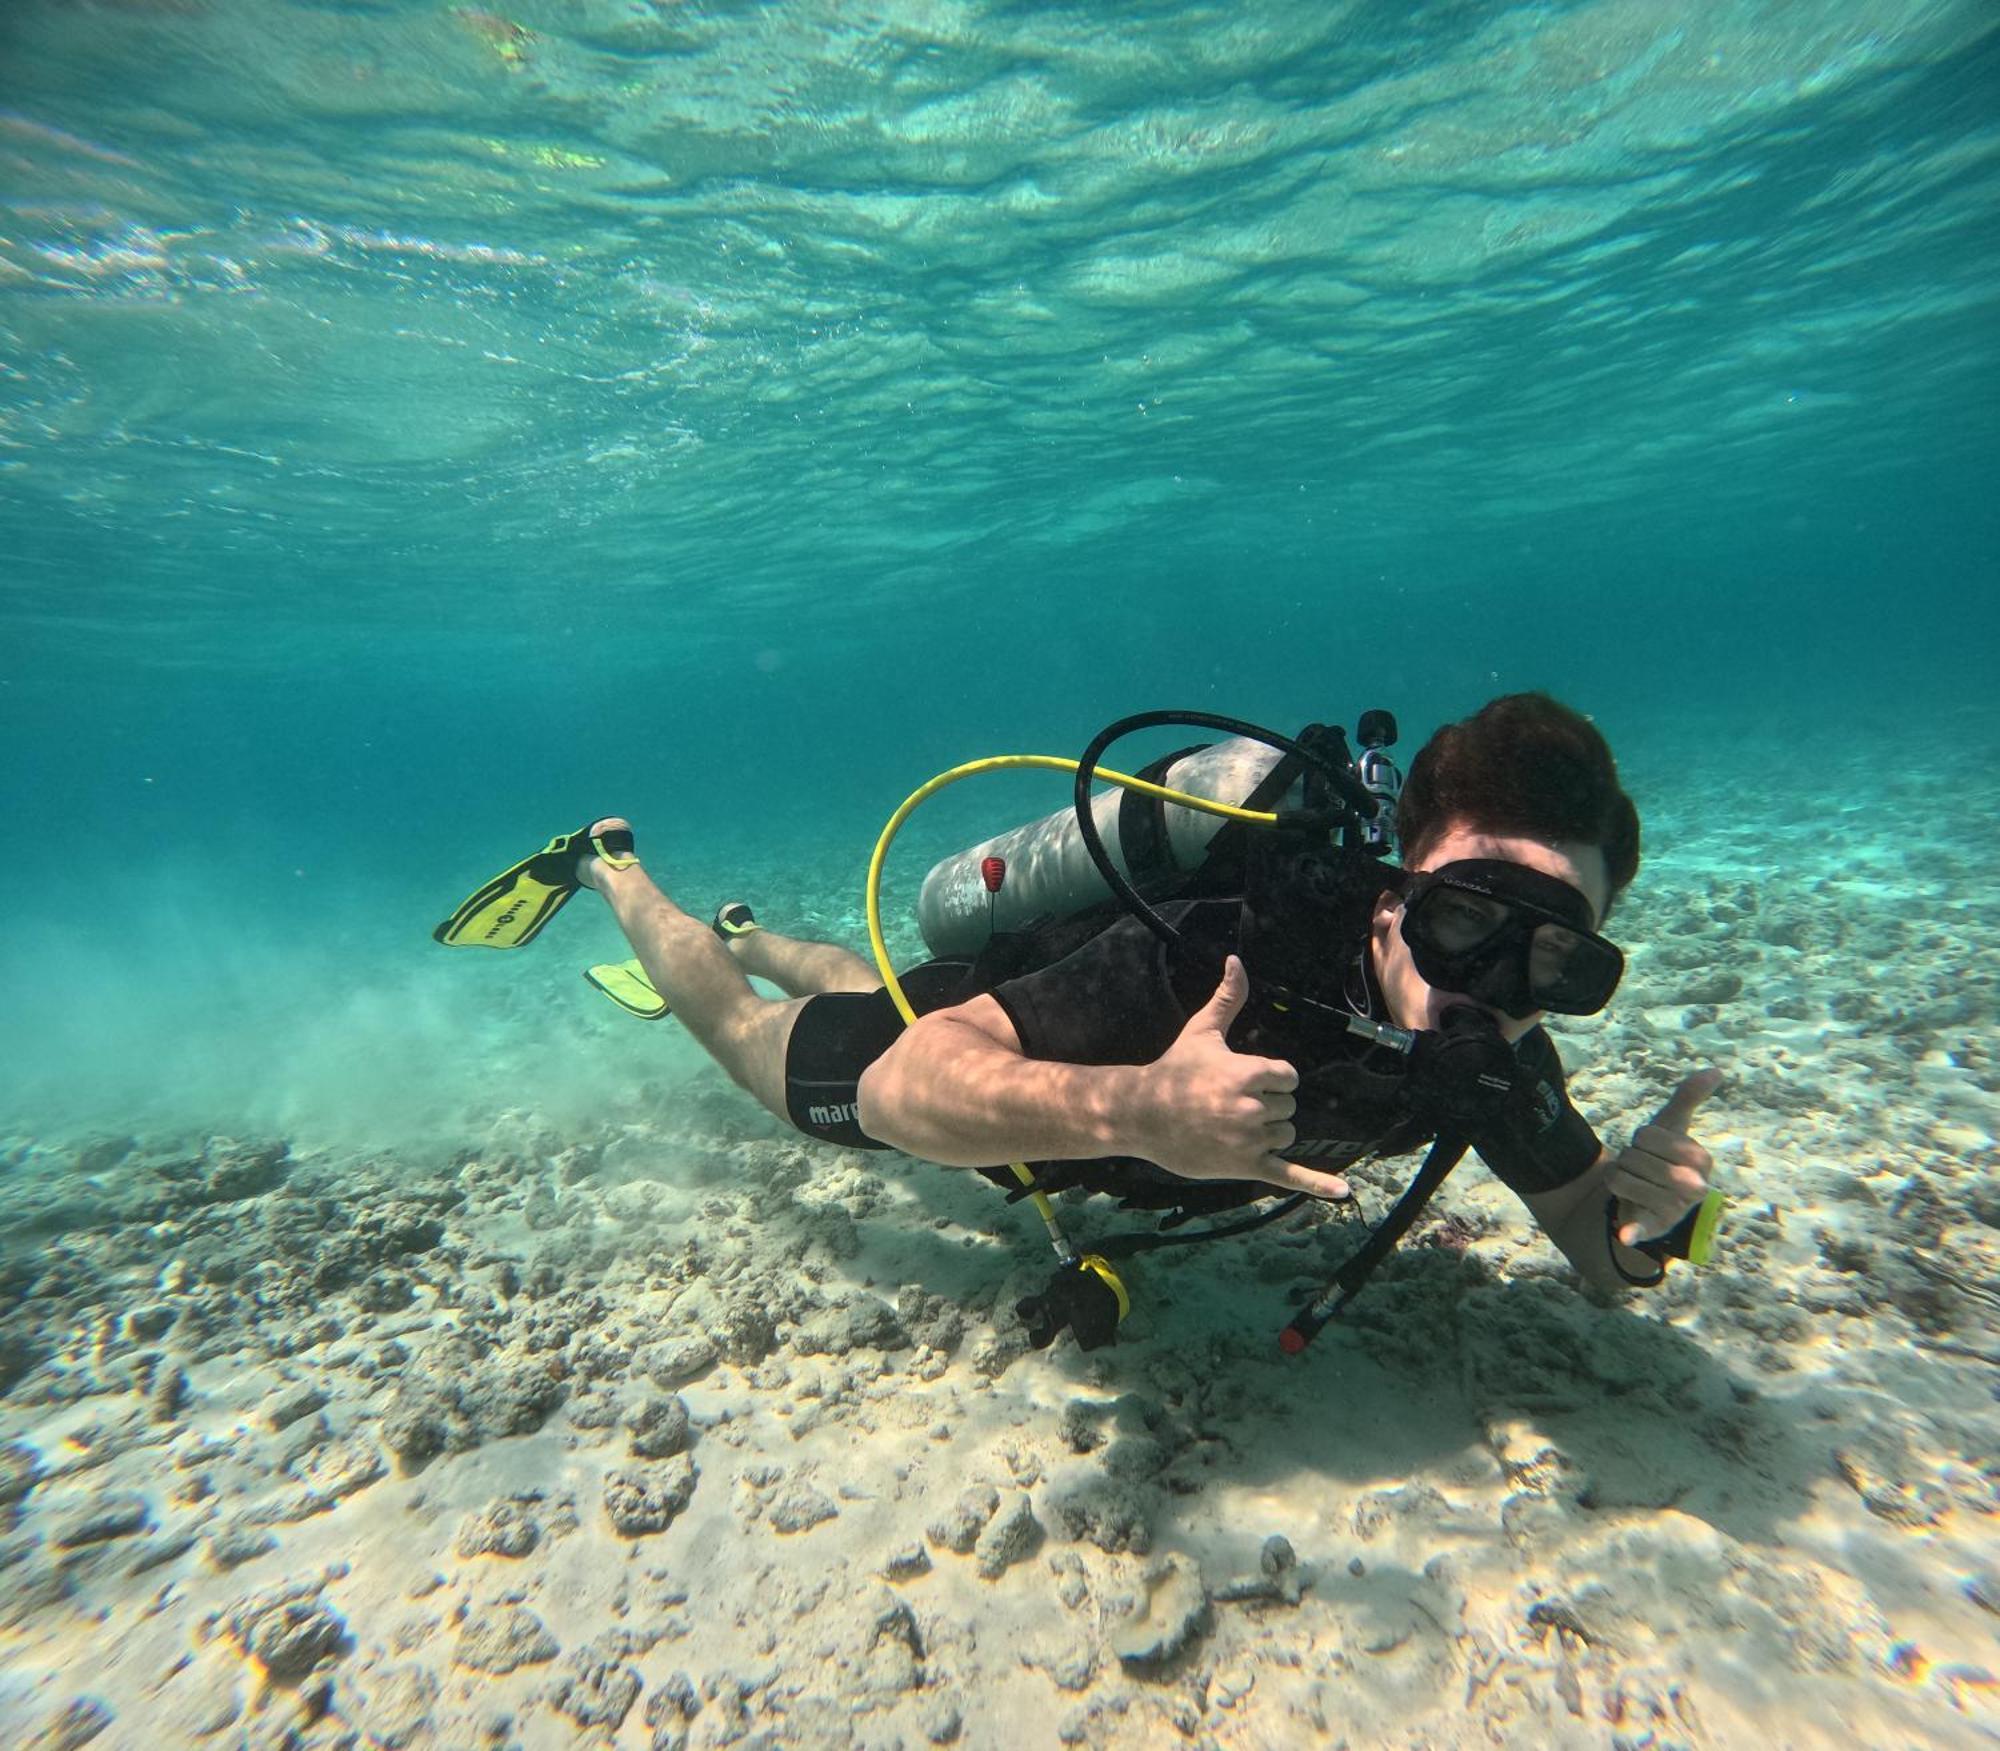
x=1361 y=803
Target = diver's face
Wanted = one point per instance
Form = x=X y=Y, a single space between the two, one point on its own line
x=1413 y=1003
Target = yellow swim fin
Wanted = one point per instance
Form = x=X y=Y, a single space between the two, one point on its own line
x=626 y=984
x=510 y=910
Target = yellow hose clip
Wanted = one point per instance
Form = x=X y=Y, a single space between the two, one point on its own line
x=1102 y=1268
x=1701 y=1242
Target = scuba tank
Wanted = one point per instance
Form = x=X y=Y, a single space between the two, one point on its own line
x=1047 y=870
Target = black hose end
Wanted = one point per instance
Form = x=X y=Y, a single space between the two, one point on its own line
x=1078 y=1301
x=1041 y=1320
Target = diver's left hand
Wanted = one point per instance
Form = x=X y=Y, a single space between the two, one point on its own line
x=1663 y=1172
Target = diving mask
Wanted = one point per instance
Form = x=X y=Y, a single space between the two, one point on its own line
x=1510 y=937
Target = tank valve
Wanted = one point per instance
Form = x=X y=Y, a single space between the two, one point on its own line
x=1379 y=775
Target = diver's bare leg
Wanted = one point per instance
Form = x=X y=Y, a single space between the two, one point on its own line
x=689 y=966
x=801 y=969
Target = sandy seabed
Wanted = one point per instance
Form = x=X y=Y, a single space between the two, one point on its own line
x=672 y=1429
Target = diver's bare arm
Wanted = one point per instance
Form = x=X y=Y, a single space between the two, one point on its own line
x=1573 y=1217
x=1658 y=1181
x=956 y=1089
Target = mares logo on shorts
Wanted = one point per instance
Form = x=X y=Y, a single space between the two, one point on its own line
x=848 y=1114
x=1548 y=1106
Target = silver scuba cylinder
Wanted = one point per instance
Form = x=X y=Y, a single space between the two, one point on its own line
x=1049 y=872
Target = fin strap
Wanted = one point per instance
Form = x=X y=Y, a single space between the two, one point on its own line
x=615 y=848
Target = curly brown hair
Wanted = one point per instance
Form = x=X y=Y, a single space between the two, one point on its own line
x=1524 y=764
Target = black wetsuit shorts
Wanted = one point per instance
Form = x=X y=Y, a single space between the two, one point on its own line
x=838 y=1034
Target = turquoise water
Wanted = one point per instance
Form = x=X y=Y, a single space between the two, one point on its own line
x=424 y=427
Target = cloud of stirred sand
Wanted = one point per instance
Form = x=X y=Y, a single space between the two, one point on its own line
x=347 y=1028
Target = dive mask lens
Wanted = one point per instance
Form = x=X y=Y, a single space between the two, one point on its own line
x=1509 y=936
x=1459 y=921
x=1572 y=972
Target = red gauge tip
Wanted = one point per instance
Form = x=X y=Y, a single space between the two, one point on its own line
x=1291 y=1340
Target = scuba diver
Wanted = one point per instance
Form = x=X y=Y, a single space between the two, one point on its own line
x=1211 y=1018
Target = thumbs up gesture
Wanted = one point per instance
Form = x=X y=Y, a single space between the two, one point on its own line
x=1209 y=1112
x=1663 y=1172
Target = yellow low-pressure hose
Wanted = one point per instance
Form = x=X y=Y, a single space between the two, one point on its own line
x=999 y=763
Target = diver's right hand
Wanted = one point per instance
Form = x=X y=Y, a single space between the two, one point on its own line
x=1207 y=1112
